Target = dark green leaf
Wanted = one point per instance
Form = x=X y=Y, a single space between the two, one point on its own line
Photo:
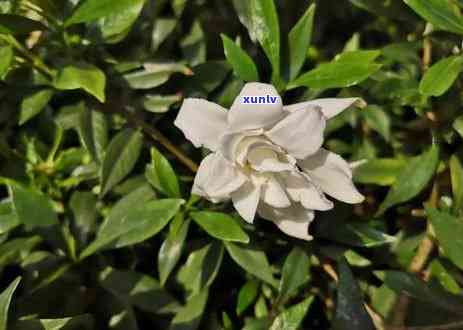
x=160 y=103
x=378 y=120
x=120 y=158
x=381 y=171
x=32 y=104
x=163 y=27
x=247 y=295
x=444 y=277
x=441 y=76
x=5 y=300
x=295 y=272
x=299 y=41
x=81 y=322
x=83 y=206
x=350 y=311
x=220 y=226
x=242 y=63
x=19 y=25
x=8 y=217
x=93 y=132
x=15 y=250
x=161 y=175
x=189 y=316
x=194 y=46
x=6 y=58
x=412 y=180
x=456 y=175
x=291 y=318
x=154 y=75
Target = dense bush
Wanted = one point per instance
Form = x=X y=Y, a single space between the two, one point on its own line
x=98 y=226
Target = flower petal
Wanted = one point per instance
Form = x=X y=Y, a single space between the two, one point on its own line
x=274 y=194
x=217 y=178
x=264 y=159
x=330 y=106
x=230 y=141
x=300 y=133
x=202 y=122
x=246 y=199
x=333 y=175
x=245 y=116
x=300 y=189
x=293 y=221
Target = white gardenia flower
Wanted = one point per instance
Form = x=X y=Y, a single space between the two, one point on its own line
x=268 y=158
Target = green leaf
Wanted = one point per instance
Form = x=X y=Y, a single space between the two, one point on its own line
x=91 y=10
x=242 y=63
x=83 y=206
x=444 y=277
x=448 y=231
x=458 y=125
x=439 y=13
x=69 y=323
x=347 y=70
x=291 y=318
x=266 y=29
x=412 y=180
x=15 y=250
x=120 y=158
x=350 y=311
x=189 y=316
x=247 y=295
x=252 y=260
x=32 y=208
x=395 y=10
x=194 y=46
x=295 y=273
x=378 y=120
x=171 y=249
x=163 y=27
x=82 y=76
x=8 y=217
x=411 y=285
x=138 y=290
x=136 y=224
x=220 y=226
x=154 y=75
x=5 y=300
x=6 y=58
x=441 y=76
x=299 y=41
x=160 y=103
x=456 y=175
x=381 y=171
x=161 y=175
x=32 y=104
x=19 y=25
x=93 y=132
x=201 y=267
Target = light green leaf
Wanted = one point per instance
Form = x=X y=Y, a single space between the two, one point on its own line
x=120 y=158
x=378 y=120
x=252 y=260
x=163 y=27
x=161 y=175
x=444 y=277
x=160 y=103
x=201 y=267
x=194 y=46
x=247 y=295
x=91 y=10
x=189 y=316
x=82 y=75
x=19 y=25
x=6 y=58
x=32 y=104
x=32 y=207
x=441 y=76
x=178 y=6
x=154 y=75
x=80 y=322
x=456 y=175
x=381 y=171
x=412 y=180
x=5 y=300
x=295 y=273
x=449 y=230
x=15 y=250
x=291 y=318
x=458 y=125
x=171 y=249
x=93 y=132
x=220 y=226
x=439 y=13
x=300 y=37
x=350 y=311
x=8 y=217
x=242 y=63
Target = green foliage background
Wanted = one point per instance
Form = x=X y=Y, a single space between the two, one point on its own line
x=97 y=226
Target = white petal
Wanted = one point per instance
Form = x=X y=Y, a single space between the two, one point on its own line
x=333 y=175
x=202 y=122
x=217 y=178
x=300 y=133
x=300 y=189
x=246 y=199
x=230 y=141
x=274 y=195
x=330 y=107
x=293 y=221
x=265 y=159
x=250 y=143
x=250 y=116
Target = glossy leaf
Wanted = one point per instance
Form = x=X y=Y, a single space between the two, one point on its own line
x=444 y=277
x=154 y=75
x=380 y=171
x=92 y=127
x=441 y=76
x=300 y=37
x=6 y=58
x=252 y=260
x=350 y=311
x=33 y=104
x=220 y=226
x=162 y=176
x=295 y=272
x=242 y=63
x=120 y=158
x=163 y=27
x=412 y=180
x=247 y=295
x=5 y=300
x=160 y=103
x=82 y=76
x=189 y=316
x=291 y=318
